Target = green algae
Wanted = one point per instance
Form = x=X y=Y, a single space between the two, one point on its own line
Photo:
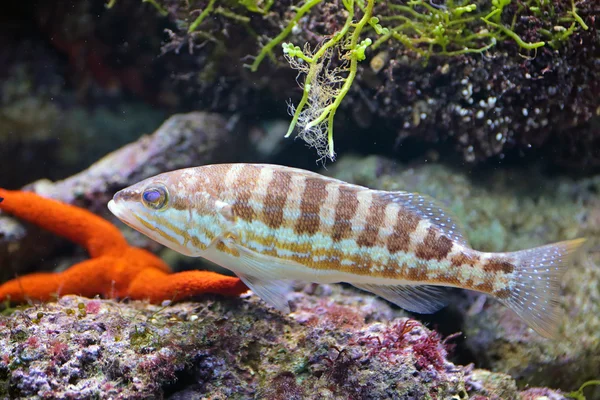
x=578 y=394
x=361 y=29
x=327 y=89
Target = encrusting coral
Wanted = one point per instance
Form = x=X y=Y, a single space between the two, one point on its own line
x=115 y=268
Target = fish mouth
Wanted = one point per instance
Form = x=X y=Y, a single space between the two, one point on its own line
x=121 y=213
x=117 y=205
x=115 y=209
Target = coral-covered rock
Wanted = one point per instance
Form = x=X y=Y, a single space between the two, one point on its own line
x=484 y=104
x=338 y=344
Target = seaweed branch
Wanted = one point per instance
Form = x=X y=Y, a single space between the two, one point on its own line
x=324 y=89
x=266 y=49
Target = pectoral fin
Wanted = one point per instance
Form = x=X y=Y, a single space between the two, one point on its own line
x=273 y=293
x=424 y=299
x=262 y=274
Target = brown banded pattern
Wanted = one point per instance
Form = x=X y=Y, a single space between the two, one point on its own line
x=231 y=177
x=345 y=209
x=327 y=212
x=348 y=233
x=218 y=183
x=277 y=194
x=315 y=193
x=246 y=182
x=463 y=258
x=496 y=264
x=375 y=218
x=399 y=239
x=434 y=246
x=291 y=209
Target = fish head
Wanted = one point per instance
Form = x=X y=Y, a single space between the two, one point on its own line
x=172 y=209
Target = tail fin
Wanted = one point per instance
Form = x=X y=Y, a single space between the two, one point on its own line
x=534 y=296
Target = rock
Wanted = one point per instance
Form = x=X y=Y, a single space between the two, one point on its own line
x=339 y=346
x=183 y=140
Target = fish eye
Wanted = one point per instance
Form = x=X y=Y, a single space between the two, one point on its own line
x=155 y=197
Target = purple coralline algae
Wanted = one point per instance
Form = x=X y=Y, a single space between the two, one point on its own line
x=337 y=343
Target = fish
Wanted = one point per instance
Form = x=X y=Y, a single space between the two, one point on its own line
x=272 y=225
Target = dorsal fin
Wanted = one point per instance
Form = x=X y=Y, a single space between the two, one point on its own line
x=428 y=208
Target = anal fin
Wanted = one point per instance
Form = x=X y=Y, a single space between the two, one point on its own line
x=422 y=299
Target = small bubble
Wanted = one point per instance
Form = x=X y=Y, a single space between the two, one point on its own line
x=296 y=29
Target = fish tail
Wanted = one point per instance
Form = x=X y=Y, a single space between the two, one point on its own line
x=536 y=285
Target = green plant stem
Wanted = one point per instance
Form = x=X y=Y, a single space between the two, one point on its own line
x=511 y=34
x=314 y=68
x=351 y=75
x=410 y=11
x=209 y=8
x=336 y=38
x=330 y=133
x=577 y=17
x=312 y=72
x=231 y=15
x=578 y=394
x=160 y=10
x=283 y=34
